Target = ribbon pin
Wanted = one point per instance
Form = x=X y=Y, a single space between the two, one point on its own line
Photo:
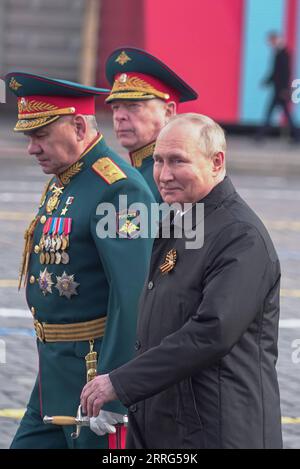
x=170 y=262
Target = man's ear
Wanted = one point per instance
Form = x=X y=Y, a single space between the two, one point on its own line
x=170 y=109
x=218 y=161
x=80 y=125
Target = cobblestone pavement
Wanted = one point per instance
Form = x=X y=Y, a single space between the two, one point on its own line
x=273 y=194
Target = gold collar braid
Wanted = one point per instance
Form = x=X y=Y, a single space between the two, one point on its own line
x=137 y=157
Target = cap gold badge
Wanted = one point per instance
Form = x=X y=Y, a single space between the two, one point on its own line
x=123 y=58
x=123 y=78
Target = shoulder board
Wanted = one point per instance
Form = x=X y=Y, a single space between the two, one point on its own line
x=46 y=188
x=108 y=170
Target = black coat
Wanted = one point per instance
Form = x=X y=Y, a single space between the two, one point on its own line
x=205 y=372
x=280 y=75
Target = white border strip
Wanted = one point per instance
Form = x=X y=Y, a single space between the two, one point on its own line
x=14 y=313
x=289 y=323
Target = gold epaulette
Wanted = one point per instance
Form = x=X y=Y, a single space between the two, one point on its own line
x=108 y=170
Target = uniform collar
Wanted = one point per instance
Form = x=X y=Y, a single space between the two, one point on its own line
x=137 y=157
x=66 y=176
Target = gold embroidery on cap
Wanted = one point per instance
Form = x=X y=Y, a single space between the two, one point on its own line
x=26 y=105
x=31 y=109
x=136 y=84
x=23 y=125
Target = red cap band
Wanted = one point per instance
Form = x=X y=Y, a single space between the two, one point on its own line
x=33 y=106
x=139 y=84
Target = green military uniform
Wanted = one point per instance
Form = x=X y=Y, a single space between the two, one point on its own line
x=136 y=75
x=82 y=290
x=142 y=160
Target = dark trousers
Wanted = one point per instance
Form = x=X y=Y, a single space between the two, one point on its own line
x=276 y=102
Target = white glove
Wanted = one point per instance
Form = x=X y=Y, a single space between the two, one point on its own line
x=105 y=422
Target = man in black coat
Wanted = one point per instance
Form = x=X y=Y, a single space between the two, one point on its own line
x=204 y=375
x=280 y=80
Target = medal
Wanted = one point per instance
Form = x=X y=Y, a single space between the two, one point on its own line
x=57 y=258
x=58 y=243
x=47 y=244
x=45 y=239
x=64 y=243
x=66 y=285
x=59 y=232
x=52 y=204
x=65 y=257
x=47 y=258
x=67 y=229
x=53 y=201
x=53 y=244
x=42 y=258
x=45 y=282
x=52 y=257
x=68 y=202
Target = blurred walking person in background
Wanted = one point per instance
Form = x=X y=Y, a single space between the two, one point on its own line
x=280 y=79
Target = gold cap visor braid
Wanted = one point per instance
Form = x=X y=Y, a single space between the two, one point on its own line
x=24 y=125
x=130 y=95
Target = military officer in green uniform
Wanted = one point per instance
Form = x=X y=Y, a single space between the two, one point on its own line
x=82 y=289
x=145 y=94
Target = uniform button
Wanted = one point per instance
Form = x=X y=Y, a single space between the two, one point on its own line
x=133 y=408
x=43 y=219
x=137 y=345
x=150 y=285
x=32 y=279
x=36 y=248
x=32 y=309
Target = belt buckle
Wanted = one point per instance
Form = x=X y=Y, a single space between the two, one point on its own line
x=39 y=330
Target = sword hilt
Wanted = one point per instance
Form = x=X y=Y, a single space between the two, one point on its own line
x=60 y=420
x=79 y=421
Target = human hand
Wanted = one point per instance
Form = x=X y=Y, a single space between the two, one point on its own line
x=95 y=394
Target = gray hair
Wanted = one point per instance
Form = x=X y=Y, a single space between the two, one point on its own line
x=211 y=135
x=90 y=120
x=92 y=123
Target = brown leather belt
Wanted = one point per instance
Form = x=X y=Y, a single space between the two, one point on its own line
x=70 y=332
